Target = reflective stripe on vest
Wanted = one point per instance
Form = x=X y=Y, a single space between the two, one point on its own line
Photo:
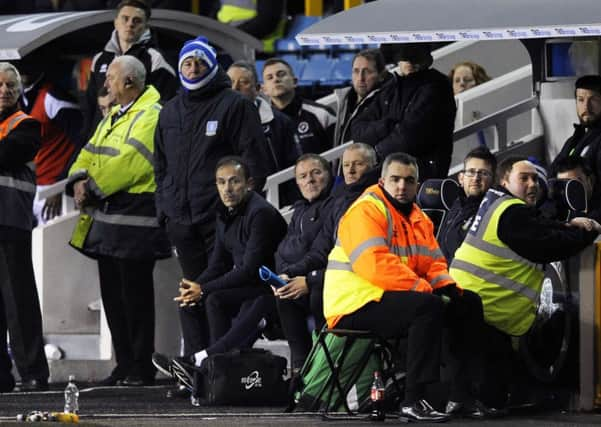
x=509 y=285
x=6 y=127
x=339 y=270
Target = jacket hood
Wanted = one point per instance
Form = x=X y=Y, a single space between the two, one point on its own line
x=114 y=47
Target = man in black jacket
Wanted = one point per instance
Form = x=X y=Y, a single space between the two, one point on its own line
x=477 y=176
x=279 y=129
x=294 y=258
x=314 y=122
x=586 y=140
x=206 y=121
x=130 y=37
x=249 y=230
x=368 y=74
x=413 y=113
x=311 y=248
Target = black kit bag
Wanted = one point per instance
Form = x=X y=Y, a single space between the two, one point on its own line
x=246 y=377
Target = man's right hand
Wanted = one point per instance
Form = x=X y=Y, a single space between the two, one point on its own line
x=80 y=194
x=585 y=223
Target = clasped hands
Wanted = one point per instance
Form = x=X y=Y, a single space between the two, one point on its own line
x=189 y=293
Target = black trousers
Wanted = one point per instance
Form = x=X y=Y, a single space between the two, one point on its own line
x=464 y=326
x=223 y=306
x=293 y=316
x=244 y=330
x=127 y=290
x=193 y=244
x=481 y=355
x=416 y=315
x=20 y=312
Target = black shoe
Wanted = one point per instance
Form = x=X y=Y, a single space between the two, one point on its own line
x=163 y=364
x=183 y=369
x=111 y=381
x=32 y=386
x=181 y=392
x=472 y=409
x=421 y=411
x=137 y=381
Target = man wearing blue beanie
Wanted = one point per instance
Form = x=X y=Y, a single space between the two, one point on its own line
x=204 y=122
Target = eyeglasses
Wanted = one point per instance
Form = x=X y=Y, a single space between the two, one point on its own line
x=470 y=173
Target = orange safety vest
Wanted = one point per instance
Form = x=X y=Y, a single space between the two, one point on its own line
x=11 y=122
x=378 y=249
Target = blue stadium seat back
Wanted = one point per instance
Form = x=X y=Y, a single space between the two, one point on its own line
x=287 y=45
x=259 y=64
x=297 y=64
x=342 y=70
x=318 y=69
x=299 y=23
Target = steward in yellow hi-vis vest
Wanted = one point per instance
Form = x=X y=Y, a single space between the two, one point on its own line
x=113 y=184
x=507 y=283
x=120 y=219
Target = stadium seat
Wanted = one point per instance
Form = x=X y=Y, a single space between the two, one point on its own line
x=287 y=45
x=342 y=71
x=318 y=69
x=297 y=64
x=259 y=63
x=435 y=197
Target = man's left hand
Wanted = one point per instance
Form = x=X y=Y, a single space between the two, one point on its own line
x=296 y=288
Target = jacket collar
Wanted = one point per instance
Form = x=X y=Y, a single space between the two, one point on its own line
x=113 y=45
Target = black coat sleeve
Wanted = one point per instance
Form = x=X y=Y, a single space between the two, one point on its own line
x=20 y=145
x=160 y=167
x=220 y=261
x=374 y=124
x=259 y=248
x=246 y=134
x=538 y=239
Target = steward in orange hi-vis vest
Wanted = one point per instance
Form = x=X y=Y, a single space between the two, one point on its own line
x=379 y=249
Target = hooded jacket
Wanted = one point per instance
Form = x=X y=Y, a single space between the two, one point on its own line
x=195 y=130
x=158 y=73
x=414 y=114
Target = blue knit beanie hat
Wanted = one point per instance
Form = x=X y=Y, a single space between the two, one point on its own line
x=198 y=48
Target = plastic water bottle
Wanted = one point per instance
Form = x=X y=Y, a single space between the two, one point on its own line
x=377 y=398
x=71 y=396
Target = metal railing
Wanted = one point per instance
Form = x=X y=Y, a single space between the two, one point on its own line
x=498 y=120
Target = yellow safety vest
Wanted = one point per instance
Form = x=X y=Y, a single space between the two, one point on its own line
x=508 y=284
x=236 y=12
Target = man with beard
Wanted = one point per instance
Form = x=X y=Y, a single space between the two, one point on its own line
x=476 y=178
x=586 y=140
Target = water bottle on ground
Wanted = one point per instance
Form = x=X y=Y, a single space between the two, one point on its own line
x=71 y=396
x=377 y=398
